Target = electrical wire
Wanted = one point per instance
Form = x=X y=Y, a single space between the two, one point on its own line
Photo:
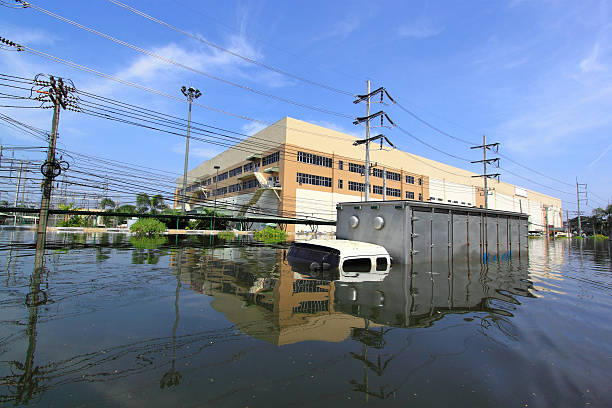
x=184 y=66
x=235 y=54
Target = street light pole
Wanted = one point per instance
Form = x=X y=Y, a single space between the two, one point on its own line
x=191 y=94
x=212 y=222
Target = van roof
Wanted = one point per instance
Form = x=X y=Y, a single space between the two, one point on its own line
x=348 y=248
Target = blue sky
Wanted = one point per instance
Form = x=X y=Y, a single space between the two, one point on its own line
x=533 y=75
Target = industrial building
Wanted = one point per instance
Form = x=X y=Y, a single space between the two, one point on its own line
x=298 y=169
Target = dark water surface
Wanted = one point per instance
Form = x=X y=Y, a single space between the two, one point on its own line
x=193 y=322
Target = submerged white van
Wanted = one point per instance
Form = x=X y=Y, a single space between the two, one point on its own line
x=349 y=258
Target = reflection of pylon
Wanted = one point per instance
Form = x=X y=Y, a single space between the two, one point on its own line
x=374 y=339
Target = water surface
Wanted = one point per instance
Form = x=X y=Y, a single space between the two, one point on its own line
x=197 y=321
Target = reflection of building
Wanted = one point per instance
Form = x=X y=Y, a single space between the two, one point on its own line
x=267 y=300
x=293 y=168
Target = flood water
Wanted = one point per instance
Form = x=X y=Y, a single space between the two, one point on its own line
x=194 y=322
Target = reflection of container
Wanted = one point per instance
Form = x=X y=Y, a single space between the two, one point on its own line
x=349 y=258
x=415 y=232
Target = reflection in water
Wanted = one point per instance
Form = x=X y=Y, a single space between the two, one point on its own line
x=255 y=289
x=289 y=307
x=23 y=387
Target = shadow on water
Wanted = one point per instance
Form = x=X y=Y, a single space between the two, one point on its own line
x=261 y=297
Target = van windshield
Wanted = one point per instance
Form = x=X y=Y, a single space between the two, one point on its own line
x=304 y=253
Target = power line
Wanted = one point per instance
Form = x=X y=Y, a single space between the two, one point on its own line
x=218 y=47
x=181 y=65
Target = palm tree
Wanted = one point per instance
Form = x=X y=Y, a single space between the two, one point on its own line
x=143 y=203
x=157 y=204
x=107 y=202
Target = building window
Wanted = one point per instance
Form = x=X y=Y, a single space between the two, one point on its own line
x=340 y=165
x=420 y=197
x=220 y=191
x=235 y=187
x=340 y=184
x=315 y=159
x=410 y=195
x=394 y=176
x=271 y=158
x=247 y=167
x=314 y=180
x=377 y=190
x=420 y=182
x=252 y=183
x=355 y=186
x=236 y=171
x=410 y=179
x=377 y=173
x=357 y=168
x=393 y=192
x=222 y=176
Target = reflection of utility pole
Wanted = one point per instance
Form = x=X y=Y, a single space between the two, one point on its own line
x=28 y=383
x=172 y=377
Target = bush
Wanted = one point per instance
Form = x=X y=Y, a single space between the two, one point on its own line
x=270 y=235
x=75 y=221
x=226 y=235
x=148 y=242
x=148 y=227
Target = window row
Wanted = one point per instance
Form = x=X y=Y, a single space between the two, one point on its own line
x=236 y=171
x=314 y=180
x=357 y=168
x=221 y=177
x=314 y=159
x=271 y=158
x=394 y=192
x=450 y=201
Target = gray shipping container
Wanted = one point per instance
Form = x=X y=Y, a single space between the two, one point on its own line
x=416 y=232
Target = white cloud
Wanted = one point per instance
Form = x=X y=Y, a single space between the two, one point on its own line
x=591 y=63
x=196 y=152
x=27 y=35
x=606 y=150
x=252 y=127
x=419 y=29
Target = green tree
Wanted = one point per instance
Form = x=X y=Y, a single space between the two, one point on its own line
x=107 y=203
x=143 y=203
x=157 y=204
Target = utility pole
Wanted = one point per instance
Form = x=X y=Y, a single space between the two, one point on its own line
x=384 y=184
x=191 y=94
x=360 y=98
x=58 y=93
x=212 y=221
x=366 y=184
x=23 y=185
x=485 y=161
x=578 y=192
x=547 y=231
x=17 y=192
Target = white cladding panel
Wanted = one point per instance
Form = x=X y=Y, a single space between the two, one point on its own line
x=320 y=204
x=442 y=191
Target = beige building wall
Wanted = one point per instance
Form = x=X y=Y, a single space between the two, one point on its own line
x=289 y=136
